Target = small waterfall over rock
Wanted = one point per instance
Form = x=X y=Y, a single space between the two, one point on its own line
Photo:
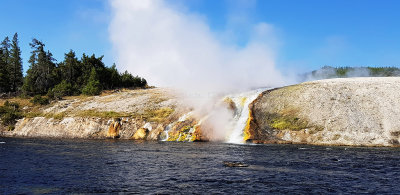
x=164 y=134
x=240 y=103
x=188 y=127
x=184 y=129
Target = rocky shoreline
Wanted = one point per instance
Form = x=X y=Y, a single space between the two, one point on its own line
x=337 y=112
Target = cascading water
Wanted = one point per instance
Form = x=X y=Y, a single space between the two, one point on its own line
x=239 y=103
x=166 y=131
x=165 y=134
x=241 y=114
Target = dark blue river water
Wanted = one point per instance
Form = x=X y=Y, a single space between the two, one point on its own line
x=38 y=166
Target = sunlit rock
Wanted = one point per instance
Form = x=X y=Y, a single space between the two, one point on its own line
x=141 y=134
x=351 y=111
x=113 y=130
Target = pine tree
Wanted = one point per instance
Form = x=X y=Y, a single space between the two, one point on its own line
x=41 y=74
x=88 y=63
x=114 y=77
x=15 y=65
x=4 y=75
x=70 y=67
x=5 y=47
x=93 y=86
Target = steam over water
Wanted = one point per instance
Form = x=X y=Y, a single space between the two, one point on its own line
x=38 y=166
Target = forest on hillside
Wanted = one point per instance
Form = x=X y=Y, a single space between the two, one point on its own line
x=86 y=75
x=328 y=72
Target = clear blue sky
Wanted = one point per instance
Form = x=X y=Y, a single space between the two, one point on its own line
x=312 y=33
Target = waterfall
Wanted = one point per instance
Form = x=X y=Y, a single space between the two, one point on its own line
x=166 y=131
x=241 y=114
x=239 y=103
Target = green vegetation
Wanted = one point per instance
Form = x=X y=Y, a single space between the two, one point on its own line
x=9 y=114
x=327 y=72
x=60 y=90
x=39 y=100
x=102 y=114
x=72 y=76
x=93 y=86
x=157 y=115
x=11 y=77
x=33 y=114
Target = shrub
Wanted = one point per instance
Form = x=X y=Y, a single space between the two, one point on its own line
x=62 y=89
x=9 y=113
x=38 y=99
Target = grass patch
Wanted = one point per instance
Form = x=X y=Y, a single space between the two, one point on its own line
x=22 y=102
x=102 y=114
x=157 y=115
x=57 y=116
x=33 y=114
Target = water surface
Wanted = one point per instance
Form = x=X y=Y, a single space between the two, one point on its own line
x=56 y=166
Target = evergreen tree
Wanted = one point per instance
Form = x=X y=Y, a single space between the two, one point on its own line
x=41 y=75
x=15 y=65
x=93 y=86
x=4 y=75
x=88 y=63
x=70 y=68
x=114 y=78
x=128 y=81
x=60 y=90
x=5 y=47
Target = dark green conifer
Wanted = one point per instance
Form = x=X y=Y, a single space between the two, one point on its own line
x=41 y=74
x=93 y=86
x=15 y=65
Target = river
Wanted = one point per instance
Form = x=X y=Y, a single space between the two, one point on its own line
x=58 y=166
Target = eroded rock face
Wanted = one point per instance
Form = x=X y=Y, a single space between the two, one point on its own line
x=356 y=111
x=113 y=130
x=115 y=115
x=141 y=134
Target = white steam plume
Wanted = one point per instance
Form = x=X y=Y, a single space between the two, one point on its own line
x=171 y=47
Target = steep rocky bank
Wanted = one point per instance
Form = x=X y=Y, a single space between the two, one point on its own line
x=356 y=111
x=116 y=115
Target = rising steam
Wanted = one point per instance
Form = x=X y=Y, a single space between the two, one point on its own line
x=172 y=47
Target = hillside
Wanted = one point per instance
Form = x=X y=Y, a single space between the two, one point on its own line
x=351 y=111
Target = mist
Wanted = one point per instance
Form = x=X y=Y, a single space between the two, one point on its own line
x=172 y=47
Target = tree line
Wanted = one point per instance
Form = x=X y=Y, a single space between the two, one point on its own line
x=87 y=75
x=328 y=72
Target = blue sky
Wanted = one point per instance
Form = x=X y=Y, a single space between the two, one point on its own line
x=311 y=33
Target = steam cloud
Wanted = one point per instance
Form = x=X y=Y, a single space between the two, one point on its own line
x=171 y=47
